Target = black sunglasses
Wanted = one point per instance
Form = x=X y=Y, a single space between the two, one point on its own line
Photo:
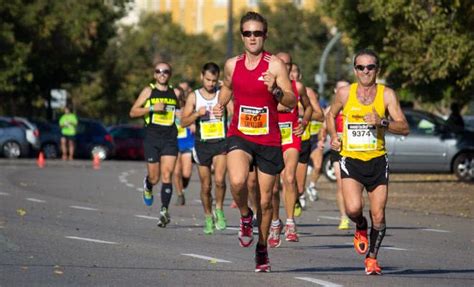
x=369 y=67
x=163 y=71
x=257 y=33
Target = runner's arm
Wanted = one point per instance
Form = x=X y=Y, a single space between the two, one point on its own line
x=318 y=114
x=137 y=109
x=189 y=116
x=398 y=123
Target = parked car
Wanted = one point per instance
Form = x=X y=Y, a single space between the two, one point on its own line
x=431 y=147
x=31 y=130
x=50 y=138
x=92 y=138
x=128 y=141
x=469 y=122
x=13 y=140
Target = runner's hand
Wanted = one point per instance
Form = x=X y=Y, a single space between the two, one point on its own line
x=159 y=107
x=372 y=118
x=218 y=111
x=299 y=130
x=269 y=80
x=202 y=111
x=335 y=144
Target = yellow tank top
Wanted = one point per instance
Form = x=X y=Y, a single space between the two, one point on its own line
x=359 y=140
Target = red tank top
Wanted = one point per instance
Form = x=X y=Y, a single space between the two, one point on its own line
x=291 y=116
x=255 y=109
x=339 y=123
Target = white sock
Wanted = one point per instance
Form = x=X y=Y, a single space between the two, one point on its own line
x=290 y=221
x=311 y=185
x=276 y=223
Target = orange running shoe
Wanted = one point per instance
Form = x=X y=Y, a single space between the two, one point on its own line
x=372 y=267
x=361 y=243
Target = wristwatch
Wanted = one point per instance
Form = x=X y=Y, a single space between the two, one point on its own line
x=384 y=123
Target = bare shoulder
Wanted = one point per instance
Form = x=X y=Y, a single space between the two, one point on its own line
x=311 y=93
x=389 y=96
x=230 y=63
x=342 y=94
x=276 y=65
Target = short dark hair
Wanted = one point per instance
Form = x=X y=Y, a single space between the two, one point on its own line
x=253 y=16
x=368 y=52
x=210 y=67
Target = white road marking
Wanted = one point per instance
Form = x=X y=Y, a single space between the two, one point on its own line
x=255 y=231
x=91 y=240
x=395 y=248
x=122 y=180
x=207 y=258
x=436 y=230
x=319 y=282
x=129 y=184
x=330 y=217
x=4 y=193
x=35 y=200
x=140 y=189
x=83 y=207
x=147 y=217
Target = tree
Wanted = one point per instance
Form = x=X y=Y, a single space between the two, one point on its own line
x=51 y=44
x=426 y=47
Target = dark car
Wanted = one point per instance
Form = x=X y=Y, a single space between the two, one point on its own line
x=431 y=147
x=50 y=138
x=93 y=138
x=13 y=141
x=128 y=141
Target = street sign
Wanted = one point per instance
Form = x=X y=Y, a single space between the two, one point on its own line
x=58 y=99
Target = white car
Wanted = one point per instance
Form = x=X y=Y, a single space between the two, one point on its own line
x=31 y=130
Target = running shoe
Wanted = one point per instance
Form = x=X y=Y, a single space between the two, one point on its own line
x=344 y=223
x=164 y=218
x=372 y=267
x=262 y=263
x=361 y=243
x=290 y=233
x=298 y=209
x=221 y=221
x=274 y=238
x=208 y=225
x=180 y=200
x=302 y=200
x=147 y=194
x=312 y=193
x=246 y=230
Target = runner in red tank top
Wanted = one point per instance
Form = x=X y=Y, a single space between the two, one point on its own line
x=253 y=137
x=291 y=131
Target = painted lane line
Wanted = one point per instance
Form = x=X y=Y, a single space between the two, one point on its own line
x=330 y=217
x=90 y=240
x=35 y=200
x=83 y=207
x=129 y=184
x=255 y=231
x=140 y=189
x=319 y=282
x=4 y=193
x=206 y=258
x=394 y=248
x=436 y=230
x=147 y=217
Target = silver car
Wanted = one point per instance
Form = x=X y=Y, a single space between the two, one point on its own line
x=431 y=147
x=31 y=130
x=13 y=140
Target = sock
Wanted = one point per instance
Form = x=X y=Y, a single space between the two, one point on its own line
x=186 y=182
x=360 y=221
x=249 y=215
x=166 y=193
x=148 y=184
x=290 y=221
x=311 y=184
x=261 y=248
x=276 y=223
x=376 y=237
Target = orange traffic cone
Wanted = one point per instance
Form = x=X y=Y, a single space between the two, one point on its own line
x=40 y=160
x=96 y=161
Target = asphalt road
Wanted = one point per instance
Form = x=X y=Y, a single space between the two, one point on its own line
x=70 y=225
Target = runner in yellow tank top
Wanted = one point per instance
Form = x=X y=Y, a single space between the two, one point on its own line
x=366 y=107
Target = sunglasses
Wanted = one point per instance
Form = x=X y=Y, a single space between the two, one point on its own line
x=257 y=34
x=162 y=71
x=369 y=67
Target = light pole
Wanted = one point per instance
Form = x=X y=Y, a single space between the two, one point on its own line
x=321 y=76
x=230 y=24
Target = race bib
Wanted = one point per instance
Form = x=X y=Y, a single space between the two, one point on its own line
x=306 y=134
x=314 y=127
x=212 y=129
x=253 y=121
x=165 y=118
x=286 y=130
x=360 y=137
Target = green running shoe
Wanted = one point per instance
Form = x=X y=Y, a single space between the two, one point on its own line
x=221 y=221
x=208 y=225
x=298 y=209
x=164 y=218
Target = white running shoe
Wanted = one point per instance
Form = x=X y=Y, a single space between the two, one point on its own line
x=312 y=193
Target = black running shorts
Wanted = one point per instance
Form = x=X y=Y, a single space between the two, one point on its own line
x=268 y=159
x=155 y=147
x=371 y=173
x=334 y=156
x=305 y=152
x=204 y=152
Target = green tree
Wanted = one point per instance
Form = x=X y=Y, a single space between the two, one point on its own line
x=128 y=64
x=426 y=47
x=51 y=44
